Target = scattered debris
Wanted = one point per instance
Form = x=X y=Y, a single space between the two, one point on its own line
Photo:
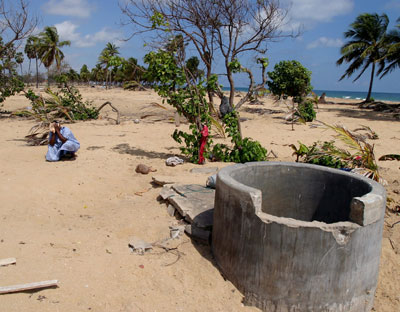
x=140 y=193
x=176 y=231
x=41 y=298
x=143 y=169
x=171 y=210
x=162 y=180
x=29 y=286
x=212 y=181
x=173 y=161
x=390 y=157
x=139 y=246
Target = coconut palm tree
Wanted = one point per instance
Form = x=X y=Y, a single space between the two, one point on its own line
x=32 y=49
x=367 y=46
x=393 y=52
x=50 y=45
x=107 y=55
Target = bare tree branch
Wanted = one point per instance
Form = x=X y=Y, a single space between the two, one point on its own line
x=16 y=23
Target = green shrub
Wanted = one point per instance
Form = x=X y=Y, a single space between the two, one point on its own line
x=243 y=150
x=306 y=110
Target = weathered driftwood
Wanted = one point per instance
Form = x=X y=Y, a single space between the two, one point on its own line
x=8 y=261
x=29 y=286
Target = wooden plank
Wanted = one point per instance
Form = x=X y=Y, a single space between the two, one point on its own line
x=7 y=261
x=29 y=286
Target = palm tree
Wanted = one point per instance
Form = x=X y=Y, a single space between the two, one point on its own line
x=106 y=56
x=366 y=47
x=393 y=51
x=32 y=49
x=50 y=45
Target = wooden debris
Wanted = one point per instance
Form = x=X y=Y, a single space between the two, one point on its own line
x=4 y=262
x=162 y=180
x=29 y=286
x=140 y=193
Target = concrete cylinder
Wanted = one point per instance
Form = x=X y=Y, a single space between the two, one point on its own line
x=299 y=237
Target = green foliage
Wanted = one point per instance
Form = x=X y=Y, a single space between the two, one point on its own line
x=235 y=66
x=49 y=47
x=66 y=104
x=10 y=82
x=264 y=61
x=306 y=110
x=191 y=143
x=290 y=78
x=244 y=150
x=318 y=154
x=189 y=99
x=131 y=85
x=362 y=160
x=367 y=46
x=157 y=20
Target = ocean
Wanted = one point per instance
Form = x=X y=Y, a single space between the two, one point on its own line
x=378 y=96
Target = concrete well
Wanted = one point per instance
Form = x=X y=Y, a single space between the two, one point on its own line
x=298 y=237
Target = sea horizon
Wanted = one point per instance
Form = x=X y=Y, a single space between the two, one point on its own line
x=341 y=94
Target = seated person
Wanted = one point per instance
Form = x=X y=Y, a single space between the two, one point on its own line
x=62 y=143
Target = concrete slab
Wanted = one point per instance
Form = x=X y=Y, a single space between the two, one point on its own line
x=194 y=202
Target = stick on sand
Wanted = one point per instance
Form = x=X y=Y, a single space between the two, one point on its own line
x=4 y=262
x=29 y=286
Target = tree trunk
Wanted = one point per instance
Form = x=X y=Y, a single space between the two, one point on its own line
x=37 y=73
x=370 y=83
x=48 y=76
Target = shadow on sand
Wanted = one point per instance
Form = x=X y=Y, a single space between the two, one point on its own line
x=125 y=148
x=361 y=114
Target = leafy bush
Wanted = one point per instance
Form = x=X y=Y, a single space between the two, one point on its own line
x=244 y=150
x=318 y=154
x=306 y=110
x=290 y=78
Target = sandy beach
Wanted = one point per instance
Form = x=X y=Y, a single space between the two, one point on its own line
x=72 y=220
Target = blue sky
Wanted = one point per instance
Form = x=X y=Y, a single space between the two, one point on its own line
x=90 y=24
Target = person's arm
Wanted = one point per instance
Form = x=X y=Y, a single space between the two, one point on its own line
x=58 y=132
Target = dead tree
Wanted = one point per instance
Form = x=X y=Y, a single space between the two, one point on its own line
x=16 y=23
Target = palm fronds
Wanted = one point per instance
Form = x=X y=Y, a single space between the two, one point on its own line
x=361 y=159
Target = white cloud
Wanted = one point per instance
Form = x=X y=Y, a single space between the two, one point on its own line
x=68 y=31
x=76 y=8
x=325 y=42
x=308 y=13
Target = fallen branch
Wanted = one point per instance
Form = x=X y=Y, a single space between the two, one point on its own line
x=113 y=109
x=394 y=224
x=4 y=262
x=29 y=286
